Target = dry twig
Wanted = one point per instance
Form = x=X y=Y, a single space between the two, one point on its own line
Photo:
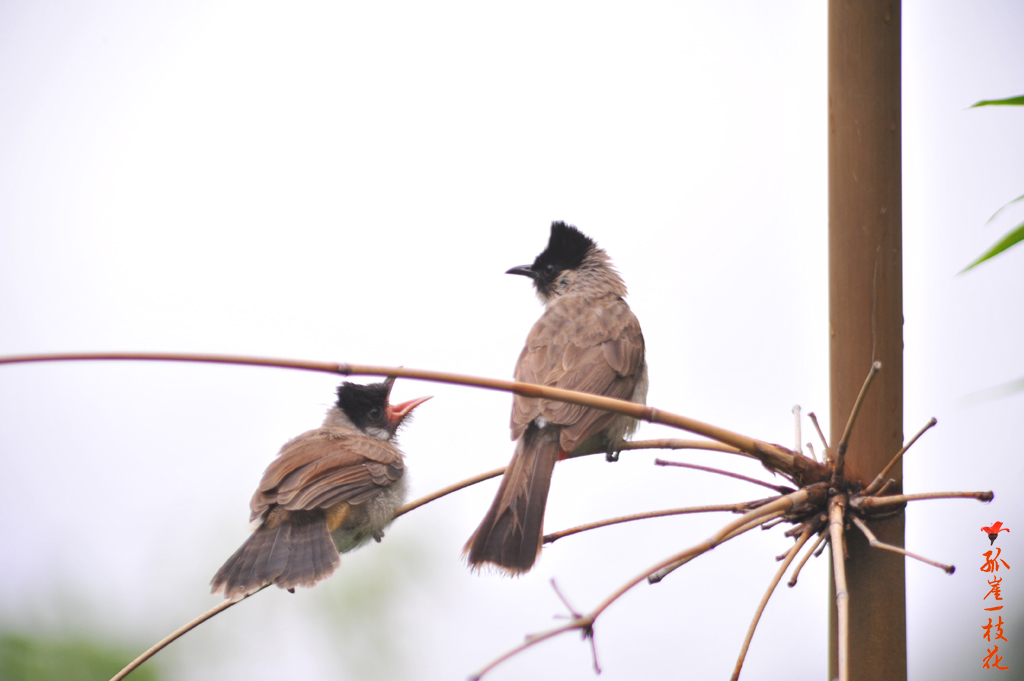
x=836 y=510
x=877 y=482
x=840 y=463
x=775 y=488
x=810 y=448
x=433 y=496
x=764 y=600
x=874 y=543
x=863 y=503
x=803 y=561
x=799 y=436
x=555 y=536
x=757 y=522
x=827 y=454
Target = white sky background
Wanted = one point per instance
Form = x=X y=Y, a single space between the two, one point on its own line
x=349 y=182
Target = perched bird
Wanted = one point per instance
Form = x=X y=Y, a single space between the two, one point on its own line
x=587 y=340
x=330 y=489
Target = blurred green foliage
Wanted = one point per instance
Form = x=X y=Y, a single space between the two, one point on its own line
x=1016 y=235
x=32 y=657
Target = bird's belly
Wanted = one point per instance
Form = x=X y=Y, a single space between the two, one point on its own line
x=367 y=520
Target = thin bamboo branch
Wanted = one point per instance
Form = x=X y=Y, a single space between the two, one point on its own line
x=586 y=623
x=669 y=443
x=774 y=456
x=861 y=503
x=178 y=633
x=821 y=549
x=799 y=436
x=810 y=448
x=565 y=601
x=555 y=536
x=797 y=529
x=532 y=641
x=824 y=443
x=433 y=496
x=874 y=543
x=836 y=510
x=576 y=615
x=784 y=503
x=775 y=488
x=803 y=561
x=885 y=488
x=764 y=600
x=837 y=471
x=666 y=443
x=880 y=478
x=757 y=522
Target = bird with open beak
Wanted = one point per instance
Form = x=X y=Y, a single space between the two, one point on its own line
x=587 y=340
x=328 y=491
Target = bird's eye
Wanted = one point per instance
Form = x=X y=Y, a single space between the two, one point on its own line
x=375 y=413
x=549 y=269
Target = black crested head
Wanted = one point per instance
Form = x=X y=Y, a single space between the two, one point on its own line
x=365 y=405
x=567 y=247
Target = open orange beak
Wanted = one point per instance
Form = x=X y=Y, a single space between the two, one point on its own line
x=398 y=412
x=402 y=410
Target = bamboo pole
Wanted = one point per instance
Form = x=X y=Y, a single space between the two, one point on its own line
x=865 y=310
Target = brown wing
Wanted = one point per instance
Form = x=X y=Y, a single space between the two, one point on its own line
x=326 y=466
x=585 y=345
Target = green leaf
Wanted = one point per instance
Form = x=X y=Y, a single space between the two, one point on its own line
x=993 y=393
x=1009 y=101
x=1004 y=207
x=1009 y=240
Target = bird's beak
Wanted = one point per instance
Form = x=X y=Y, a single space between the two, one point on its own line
x=525 y=270
x=397 y=412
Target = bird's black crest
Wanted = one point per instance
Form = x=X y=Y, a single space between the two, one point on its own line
x=359 y=401
x=566 y=249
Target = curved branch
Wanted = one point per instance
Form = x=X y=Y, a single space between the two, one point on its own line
x=555 y=536
x=672 y=443
x=803 y=561
x=707 y=469
x=667 y=443
x=178 y=633
x=764 y=600
x=774 y=456
x=579 y=623
x=445 y=491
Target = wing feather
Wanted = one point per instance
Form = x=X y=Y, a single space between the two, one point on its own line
x=585 y=345
x=326 y=466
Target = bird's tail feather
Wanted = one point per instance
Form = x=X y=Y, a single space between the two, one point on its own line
x=511 y=533
x=290 y=548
